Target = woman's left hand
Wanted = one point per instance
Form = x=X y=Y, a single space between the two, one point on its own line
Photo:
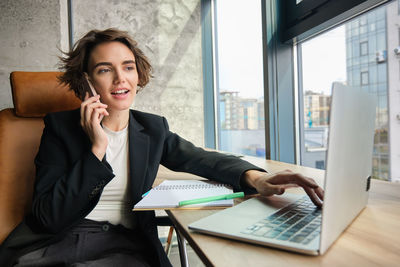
x=268 y=184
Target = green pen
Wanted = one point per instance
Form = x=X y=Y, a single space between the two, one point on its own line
x=209 y=199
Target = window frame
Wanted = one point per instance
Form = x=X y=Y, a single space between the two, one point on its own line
x=208 y=55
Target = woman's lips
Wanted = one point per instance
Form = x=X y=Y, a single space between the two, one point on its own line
x=120 y=93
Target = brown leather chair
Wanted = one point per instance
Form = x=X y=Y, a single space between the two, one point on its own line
x=34 y=95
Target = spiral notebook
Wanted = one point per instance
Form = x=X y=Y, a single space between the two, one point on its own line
x=170 y=192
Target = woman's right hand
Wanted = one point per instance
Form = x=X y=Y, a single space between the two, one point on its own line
x=92 y=112
x=268 y=184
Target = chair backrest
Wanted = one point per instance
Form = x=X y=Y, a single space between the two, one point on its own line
x=34 y=95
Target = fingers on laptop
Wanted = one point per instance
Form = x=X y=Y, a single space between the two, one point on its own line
x=312 y=189
x=275 y=189
x=320 y=193
x=313 y=196
x=265 y=188
x=289 y=177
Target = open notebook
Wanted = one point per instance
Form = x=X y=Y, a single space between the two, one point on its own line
x=168 y=194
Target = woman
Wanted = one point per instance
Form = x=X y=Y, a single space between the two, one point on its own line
x=94 y=164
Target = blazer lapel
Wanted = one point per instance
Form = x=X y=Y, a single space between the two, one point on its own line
x=138 y=157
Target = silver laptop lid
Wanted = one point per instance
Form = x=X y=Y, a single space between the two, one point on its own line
x=349 y=160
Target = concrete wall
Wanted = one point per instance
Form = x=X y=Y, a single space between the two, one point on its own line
x=168 y=31
x=30 y=34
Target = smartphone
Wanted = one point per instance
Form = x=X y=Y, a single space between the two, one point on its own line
x=92 y=91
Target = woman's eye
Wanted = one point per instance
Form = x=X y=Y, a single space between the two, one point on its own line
x=130 y=67
x=103 y=70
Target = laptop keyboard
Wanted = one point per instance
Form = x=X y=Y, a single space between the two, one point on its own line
x=299 y=222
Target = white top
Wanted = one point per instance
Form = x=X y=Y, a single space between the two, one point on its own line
x=113 y=204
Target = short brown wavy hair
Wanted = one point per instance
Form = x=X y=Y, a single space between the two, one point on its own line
x=75 y=62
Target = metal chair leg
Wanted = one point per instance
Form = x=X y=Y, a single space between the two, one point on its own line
x=182 y=249
x=166 y=221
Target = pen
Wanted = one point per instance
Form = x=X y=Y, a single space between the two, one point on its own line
x=145 y=194
x=209 y=199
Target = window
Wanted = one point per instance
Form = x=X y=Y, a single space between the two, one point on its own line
x=364 y=48
x=340 y=55
x=364 y=78
x=320 y=164
x=240 y=91
x=358 y=52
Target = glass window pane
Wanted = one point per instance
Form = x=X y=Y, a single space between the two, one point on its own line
x=364 y=48
x=372 y=27
x=364 y=78
x=372 y=46
x=363 y=29
x=381 y=41
x=240 y=90
x=356 y=76
x=337 y=55
x=382 y=73
x=372 y=74
x=317 y=89
x=380 y=24
x=356 y=49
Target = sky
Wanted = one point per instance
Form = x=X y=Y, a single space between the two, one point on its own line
x=240 y=60
x=239 y=48
x=324 y=60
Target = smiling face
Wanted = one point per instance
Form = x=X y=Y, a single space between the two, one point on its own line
x=113 y=73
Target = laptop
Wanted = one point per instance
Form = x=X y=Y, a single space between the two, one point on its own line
x=291 y=222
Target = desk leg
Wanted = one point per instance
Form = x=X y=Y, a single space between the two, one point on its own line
x=182 y=249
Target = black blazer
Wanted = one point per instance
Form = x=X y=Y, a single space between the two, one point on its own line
x=70 y=179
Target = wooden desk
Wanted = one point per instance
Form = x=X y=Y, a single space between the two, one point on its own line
x=372 y=239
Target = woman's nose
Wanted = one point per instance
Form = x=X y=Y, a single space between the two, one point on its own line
x=119 y=76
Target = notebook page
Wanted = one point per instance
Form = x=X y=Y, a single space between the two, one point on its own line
x=170 y=192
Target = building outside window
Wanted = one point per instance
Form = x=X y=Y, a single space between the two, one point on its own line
x=239 y=81
x=362 y=54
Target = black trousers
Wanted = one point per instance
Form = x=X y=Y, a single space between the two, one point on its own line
x=93 y=243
